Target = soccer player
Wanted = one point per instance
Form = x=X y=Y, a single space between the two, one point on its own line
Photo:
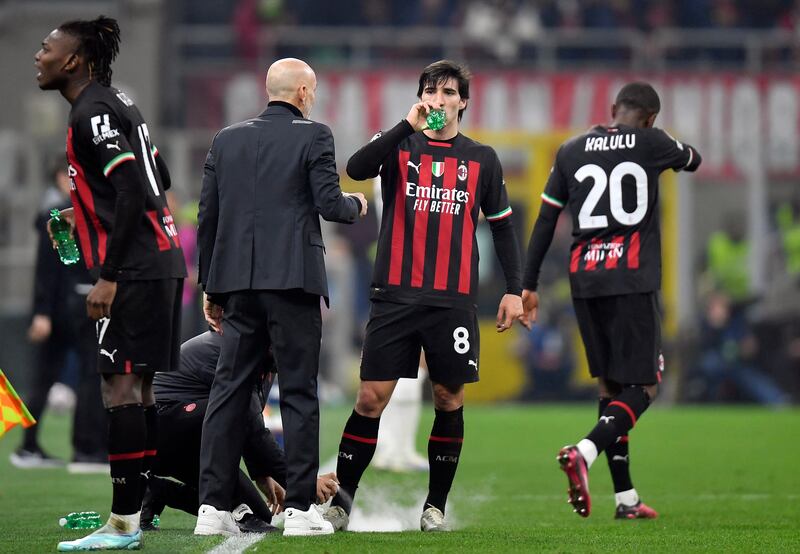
x=608 y=178
x=129 y=243
x=425 y=279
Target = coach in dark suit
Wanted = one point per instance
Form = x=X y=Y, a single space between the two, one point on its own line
x=266 y=182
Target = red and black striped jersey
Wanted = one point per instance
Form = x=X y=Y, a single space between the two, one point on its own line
x=105 y=131
x=433 y=192
x=608 y=178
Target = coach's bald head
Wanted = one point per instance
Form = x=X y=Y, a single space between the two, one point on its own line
x=293 y=81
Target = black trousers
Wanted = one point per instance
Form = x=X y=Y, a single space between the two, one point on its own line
x=89 y=435
x=290 y=321
x=180 y=426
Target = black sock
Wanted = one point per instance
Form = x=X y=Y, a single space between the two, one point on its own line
x=355 y=452
x=444 y=449
x=617 y=456
x=150 y=446
x=619 y=417
x=126 y=440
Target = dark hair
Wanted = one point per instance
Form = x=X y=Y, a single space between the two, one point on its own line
x=98 y=41
x=439 y=72
x=639 y=96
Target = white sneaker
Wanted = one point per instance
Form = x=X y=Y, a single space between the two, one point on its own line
x=433 y=520
x=303 y=524
x=211 y=521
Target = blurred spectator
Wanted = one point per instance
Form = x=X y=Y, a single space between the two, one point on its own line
x=61 y=329
x=547 y=355
x=727 y=255
x=724 y=367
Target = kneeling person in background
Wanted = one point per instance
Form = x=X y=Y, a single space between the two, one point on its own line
x=182 y=399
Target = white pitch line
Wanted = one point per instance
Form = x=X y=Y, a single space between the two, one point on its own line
x=237 y=544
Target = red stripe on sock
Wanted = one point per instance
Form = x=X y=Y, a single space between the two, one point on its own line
x=128 y=367
x=626 y=408
x=446 y=439
x=150 y=452
x=623 y=439
x=359 y=439
x=127 y=456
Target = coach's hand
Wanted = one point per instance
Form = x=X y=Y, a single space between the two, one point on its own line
x=530 y=304
x=418 y=115
x=213 y=314
x=362 y=199
x=327 y=487
x=100 y=298
x=510 y=310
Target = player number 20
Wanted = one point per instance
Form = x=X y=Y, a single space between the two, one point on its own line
x=586 y=219
x=461 y=340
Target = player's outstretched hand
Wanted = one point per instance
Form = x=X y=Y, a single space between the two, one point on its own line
x=213 y=314
x=530 y=305
x=327 y=487
x=100 y=298
x=418 y=114
x=510 y=310
x=274 y=493
x=362 y=199
x=67 y=215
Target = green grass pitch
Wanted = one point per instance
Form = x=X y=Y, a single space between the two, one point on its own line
x=723 y=479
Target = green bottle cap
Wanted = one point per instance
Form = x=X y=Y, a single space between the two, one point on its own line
x=436 y=120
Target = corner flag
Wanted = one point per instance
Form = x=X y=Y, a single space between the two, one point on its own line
x=12 y=410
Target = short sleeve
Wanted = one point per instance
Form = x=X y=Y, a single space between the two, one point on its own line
x=495 y=204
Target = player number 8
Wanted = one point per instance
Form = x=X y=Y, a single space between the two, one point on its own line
x=461 y=340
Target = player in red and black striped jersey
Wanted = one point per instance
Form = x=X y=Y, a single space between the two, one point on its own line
x=608 y=179
x=130 y=245
x=434 y=185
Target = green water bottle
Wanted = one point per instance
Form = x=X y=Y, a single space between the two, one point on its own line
x=81 y=520
x=67 y=247
x=436 y=120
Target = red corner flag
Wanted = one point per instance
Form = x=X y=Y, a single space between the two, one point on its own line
x=12 y=410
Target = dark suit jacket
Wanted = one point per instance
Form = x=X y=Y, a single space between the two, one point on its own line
x=266 y=182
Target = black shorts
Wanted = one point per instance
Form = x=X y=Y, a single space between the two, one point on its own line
x=396 y=334
x=144 y=331
x=622 y=336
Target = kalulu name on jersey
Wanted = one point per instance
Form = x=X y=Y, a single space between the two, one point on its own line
x=618 y=142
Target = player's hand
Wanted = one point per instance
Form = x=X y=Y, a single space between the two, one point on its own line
x=362 y=199
x=510 y=310
x=213 y=314
x=418 y=114
x=67 y=215
x=100 y=298
x=327 y=487
x=275 y=494
x=40 y=328
x=530 y=304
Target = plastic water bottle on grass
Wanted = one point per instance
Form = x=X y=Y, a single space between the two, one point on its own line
x=81 y=520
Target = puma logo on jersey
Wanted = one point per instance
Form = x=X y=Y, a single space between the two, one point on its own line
x=113 y=145
x=473 y=362
x=606 y=419
x=414 y=166
x=104 y=352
